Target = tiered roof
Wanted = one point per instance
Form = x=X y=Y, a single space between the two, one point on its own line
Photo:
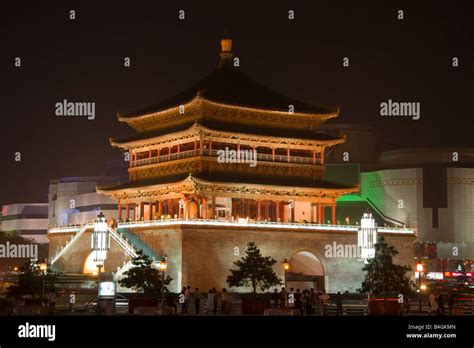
x=230 y=106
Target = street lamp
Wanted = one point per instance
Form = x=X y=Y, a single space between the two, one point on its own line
x=43 y=266
x=420 y=269
x=163 y=265
x=286 y=267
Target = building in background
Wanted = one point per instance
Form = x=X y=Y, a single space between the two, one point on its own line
x=432 y=190
x=28 y=220
x=429 y=189
x=74 y=200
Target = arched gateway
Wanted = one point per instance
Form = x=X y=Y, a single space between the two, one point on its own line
x=306 y=271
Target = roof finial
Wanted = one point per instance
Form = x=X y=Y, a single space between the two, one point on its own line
x=226 y=50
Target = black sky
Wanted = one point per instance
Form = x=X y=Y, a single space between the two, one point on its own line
x=82 y=60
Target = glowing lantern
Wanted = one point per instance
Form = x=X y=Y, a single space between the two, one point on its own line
x=100 y=242
x=367 y=237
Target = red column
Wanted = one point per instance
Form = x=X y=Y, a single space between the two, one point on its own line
x=142 y=208
x=322 y=213
x=152 y=211
x=149 y=211
x=149 y=156
x=318 y=213
x=213 y=206
x=288 y=154
x=292 y=212
x=195 y=147
x=204 y=208
x=273 y=154
x=179 y=150
x=169 y=153
x=160 y=208
x=277 y=210
x=259 y=209
x=210 y=147
x=322 y=156
x=234 y=208
x=127 y=211
x=267 y=215
x=135 y=163
x=333 y=213
x=314 y=156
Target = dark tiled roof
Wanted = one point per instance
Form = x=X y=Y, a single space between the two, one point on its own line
x=157 y=133
x=230 y=86
x=226 y=177
x=234 y=128
x=266 y=180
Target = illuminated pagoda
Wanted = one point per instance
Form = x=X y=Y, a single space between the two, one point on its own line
x=225 y=163
x=175 y=167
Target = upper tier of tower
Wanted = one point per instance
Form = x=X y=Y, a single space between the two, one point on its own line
x=227 y=95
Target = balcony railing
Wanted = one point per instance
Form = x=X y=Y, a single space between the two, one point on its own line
x=260 y=157
x=240 y=222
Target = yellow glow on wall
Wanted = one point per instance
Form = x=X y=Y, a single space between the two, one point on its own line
x=90 y=266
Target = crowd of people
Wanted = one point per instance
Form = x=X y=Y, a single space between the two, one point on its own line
x=437 y=304
x=305 y=301
x=213 y=301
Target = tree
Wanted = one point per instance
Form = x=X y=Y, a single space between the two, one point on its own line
x=144 y=276
x=383 y=276
x=30 y=281
x=254 y=269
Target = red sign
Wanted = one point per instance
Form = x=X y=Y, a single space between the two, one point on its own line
x=457 y=274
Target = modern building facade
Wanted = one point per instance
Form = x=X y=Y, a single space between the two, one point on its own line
x=73 y=200
x=29 y=220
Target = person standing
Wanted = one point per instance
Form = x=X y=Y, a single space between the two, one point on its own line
x=433 y=303
x=225 y=302
x=339 y=303
x=182 y=299
x=441 y=304
x=325 y=302
x=170 y=302
x=197 y=300
x=450 y=303
x=210 y=302
x=291 y=298
x=298 y=302
x=282 y=298
x=275 y=298
x=187 y=295
x=317 y=299
x=216 y=300
x=312 y=298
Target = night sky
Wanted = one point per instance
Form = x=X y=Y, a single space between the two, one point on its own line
x=82 y=60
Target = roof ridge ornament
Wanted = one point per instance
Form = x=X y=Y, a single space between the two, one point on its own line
x=226 y=52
